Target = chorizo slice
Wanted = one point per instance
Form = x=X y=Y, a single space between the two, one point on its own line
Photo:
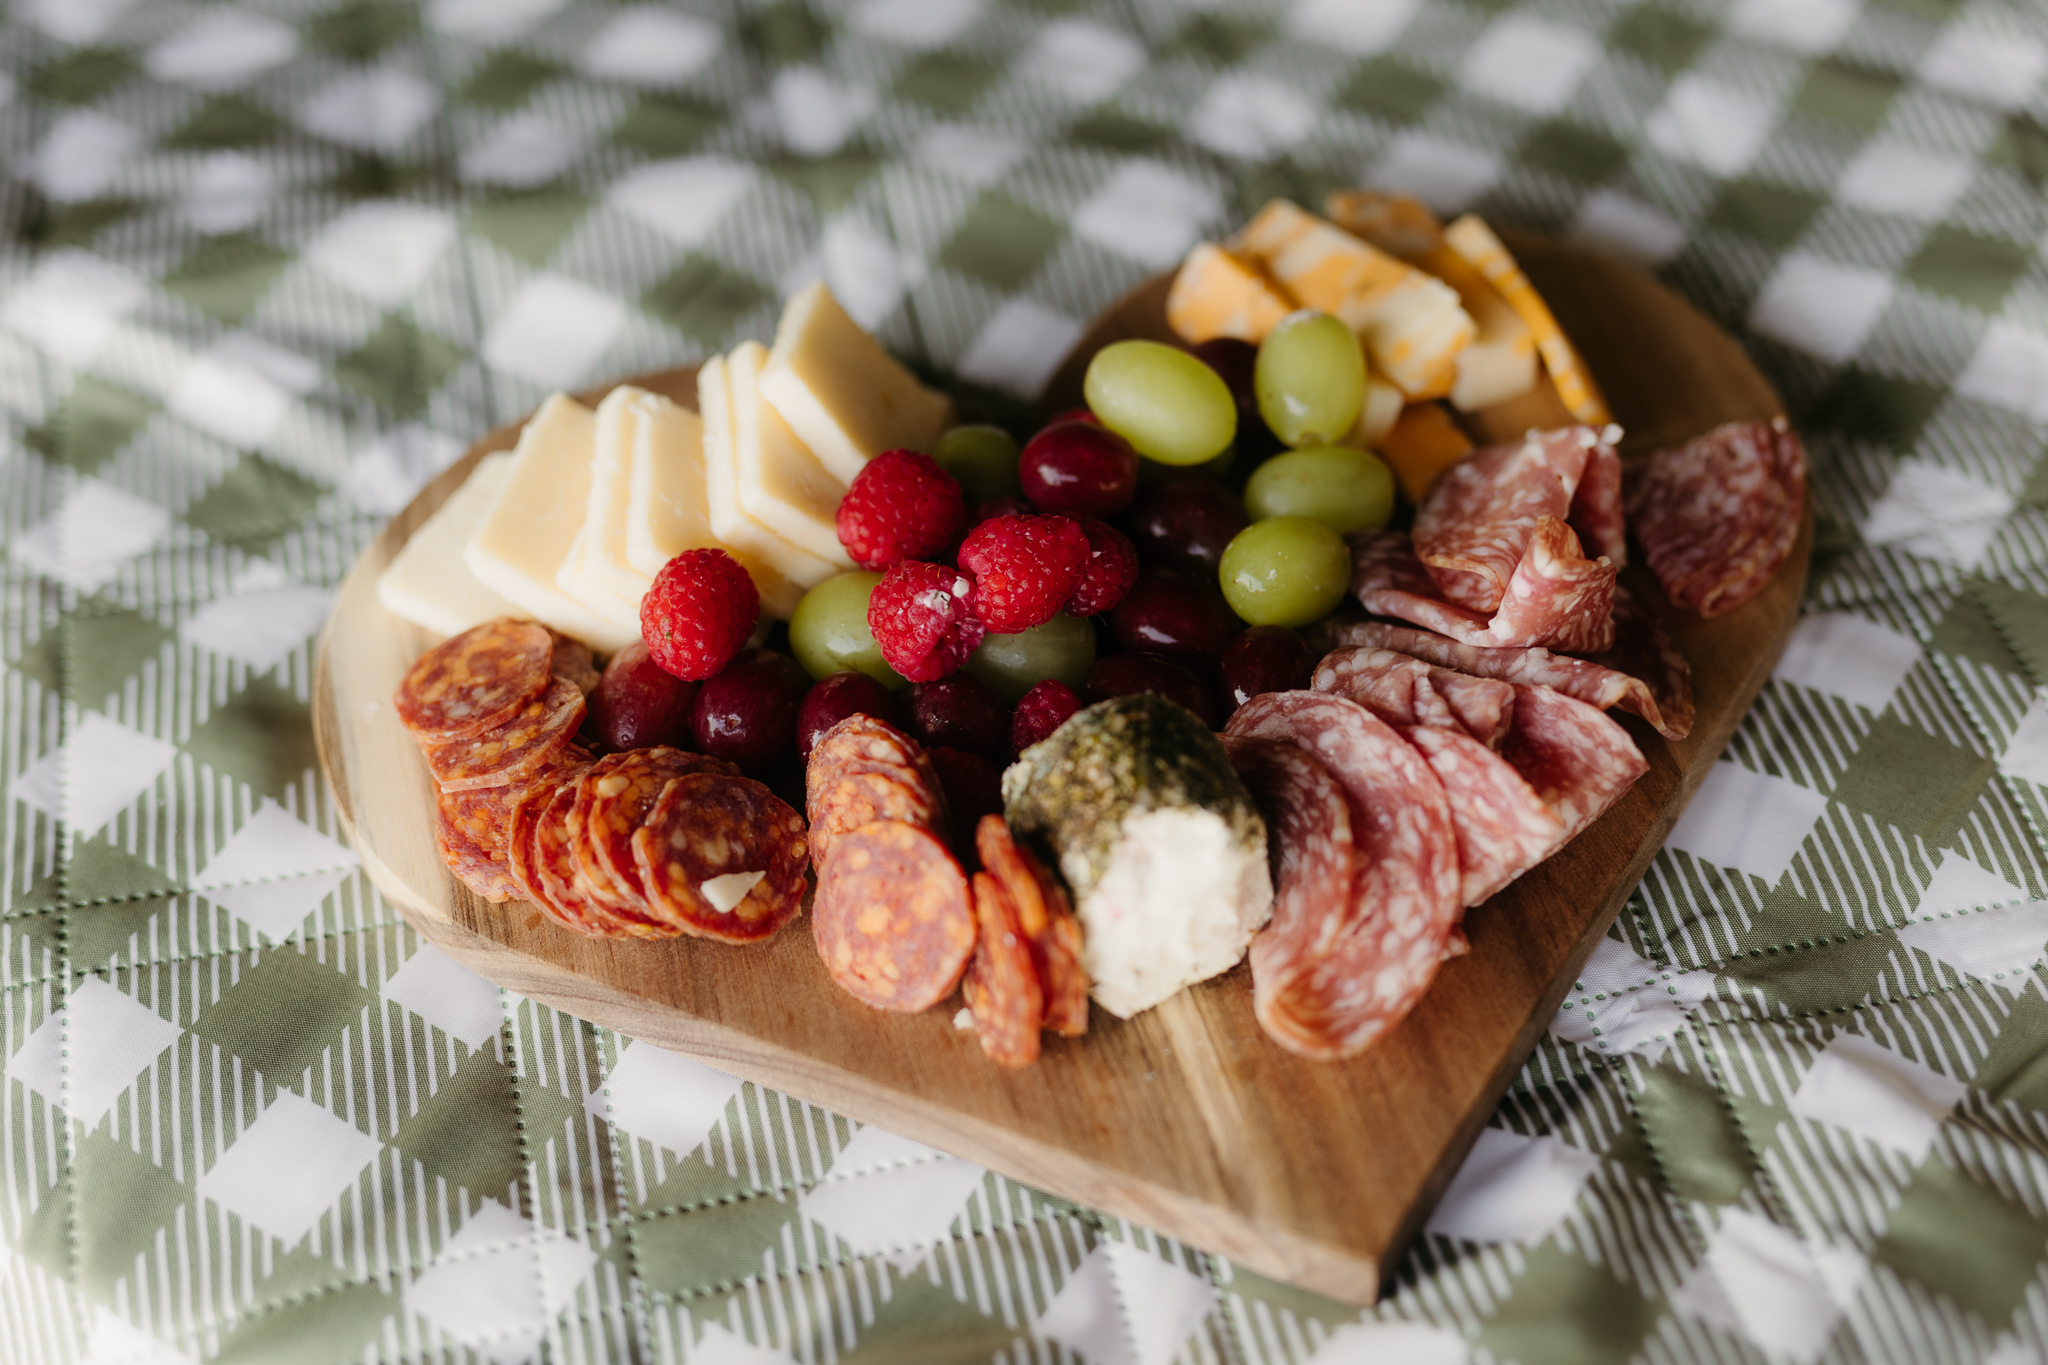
x=1002 y=986
x=891 y=916
x=475 y=681
x=1048 y=921
x=464 y=831
x=615 y=799
x=721 y=857
x=516 y=748
x=863 y=770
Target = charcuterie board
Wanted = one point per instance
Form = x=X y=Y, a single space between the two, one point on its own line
x=1185 y=1118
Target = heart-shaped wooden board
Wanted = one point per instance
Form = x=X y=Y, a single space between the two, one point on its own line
x=1187 y=1118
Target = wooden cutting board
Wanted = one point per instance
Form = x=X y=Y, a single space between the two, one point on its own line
x=1186 y=1118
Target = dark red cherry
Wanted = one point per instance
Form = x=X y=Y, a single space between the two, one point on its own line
x=1234 y=360
x=960 y=711
x=1183 y=520
x=1264 y=659
x=1171 y=614
x=832 y=699
x=638 y=704
x=747 y=713
x=1122 y=674
x=1078 y=469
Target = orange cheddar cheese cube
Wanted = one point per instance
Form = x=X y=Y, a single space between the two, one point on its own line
x=1217 y=294
x=1423 y=444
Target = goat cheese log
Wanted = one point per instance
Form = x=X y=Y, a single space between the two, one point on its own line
x=1158 y=840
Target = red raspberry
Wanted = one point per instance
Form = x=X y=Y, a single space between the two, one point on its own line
x=1025 y=569
x=699 y=613
x=900 y=506
x=1042 y=710
x=923 y=619
x=1112 y=568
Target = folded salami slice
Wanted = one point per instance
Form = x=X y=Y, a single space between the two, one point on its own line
x=1483 y=515
x=1718 y=515
x=475 y=681
x=1504 y=828
x=1555 y=596
x=514 y=749
x=1578 y=760
x=1643 y=672
x=1403 y=690
x=1405 y=902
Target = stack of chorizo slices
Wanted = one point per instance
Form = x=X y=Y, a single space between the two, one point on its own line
x=645 y=843
x=900 y=924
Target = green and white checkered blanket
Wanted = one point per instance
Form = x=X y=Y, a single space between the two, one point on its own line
x=268 y=264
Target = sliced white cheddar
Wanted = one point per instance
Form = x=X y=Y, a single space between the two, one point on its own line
x=1216 y=294
x=844 y=395
x=781 y=483
x=666 y=508
x=1473 y=240
x=1376 y=416
x=531 y=529
x=598 y=573
x=729 y=520
x=428 y=584
x=1411 y=325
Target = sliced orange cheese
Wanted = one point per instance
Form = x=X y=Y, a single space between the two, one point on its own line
x=1473 y=240
x=1217 y=294
x=1411 y=325
x=1423 y=444
x=1501 y=361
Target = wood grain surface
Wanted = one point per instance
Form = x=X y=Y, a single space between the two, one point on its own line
x=1186 y=1118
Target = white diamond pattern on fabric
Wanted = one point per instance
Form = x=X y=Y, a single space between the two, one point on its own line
x=1819 y=305
x=262 y=627
x=289 y=1167
x=1249 y=115
x=1444 y=174
x=84 y=1056
x=886 y=1193
x=1621 y=1002
x=664 y=1097
x=379 y=109
x=1391 y=1343
x=1764 y=1283
x=1126 y=1306
x=70 y=304
x=1532 y=64
x=98 y=773
x=241 y=387
x=1512 y=1188
x=2009 y=368
x=1622 y=226
x=553 y=331
x=1938 y=513
x=683 y=199
x=1148 y=212
x=499 y=1283
x=1711 y=123
x=649 y=46
x=1019 y=348
x=448 y=995
x=1748 y=820
x=1848 y=656
x=274 y=871
x=1082 y=59
x=92 y=536
x=382 y=250
x=1876 y=1093
x=221 y=49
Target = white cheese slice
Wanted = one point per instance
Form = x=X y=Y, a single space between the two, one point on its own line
x=844 y=395
x=518 y=550
x=599 y=574
x=729 y=889
x=781 y=483
x=666 y=508
x=428 y=584
x=730 y=521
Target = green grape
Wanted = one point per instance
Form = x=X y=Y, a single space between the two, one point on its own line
x=1347 y=490
x=1013 y=664
x=1170 y=406
x=1310 y=379
x=983 y=458
x=1285 y=571
x=829 y=631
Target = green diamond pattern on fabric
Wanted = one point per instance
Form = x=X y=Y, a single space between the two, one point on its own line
x=1854 y=191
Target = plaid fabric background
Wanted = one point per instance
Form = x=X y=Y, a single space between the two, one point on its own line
x=267 y=265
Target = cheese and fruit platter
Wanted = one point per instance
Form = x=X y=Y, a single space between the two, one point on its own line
x=1195 y=807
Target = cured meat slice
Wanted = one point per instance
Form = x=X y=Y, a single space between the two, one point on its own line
x=722 y=857
x=1315 y=865
x=1597 y=512
x=474 y=681
x=1001 y=985
x=573 y=662
x=613 y=800
x=1503 y=827
x=862 y=770
x=1480 y=518
x=1405 y=902
x=465 y=830
x=892 y=917
x=1555 y=597
x=564 y=888
x=514 y=749
x=1048 y=922
x=1577 y=759
x=1643 y=672
x=1718 y=515
x=1403 y=690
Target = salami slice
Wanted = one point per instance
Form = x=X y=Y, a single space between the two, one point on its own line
x=574 y=663
x=1643 y=672
x=1314 y=861
x=1405 y=902
x=614 y=802
x=1403 y=690
x=1577 y=759
x=1476 y=524
x=1001 y=985
x=862 y=770
x=722 y=857
x=474 y=681
x=892 y=917
x=1556 y=597
x=514 y=749
x=1048 y=923
x=464 y=832
x=1718 y=515
x=523 y=847
x=563 y=879
x=1503 y=827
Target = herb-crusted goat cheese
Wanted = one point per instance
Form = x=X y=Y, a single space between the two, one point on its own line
x=1156 y=836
